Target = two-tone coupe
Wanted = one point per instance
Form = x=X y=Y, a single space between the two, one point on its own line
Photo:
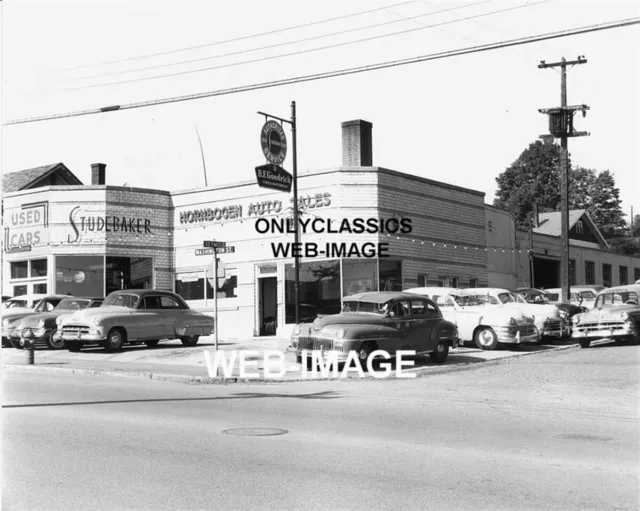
x=40 y=328
x=134 y=316
x=487 y=327
x=615 y=315
x=387 y=320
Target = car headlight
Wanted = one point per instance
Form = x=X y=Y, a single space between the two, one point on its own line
x=95 y=321
x=296 y=330
x=340 y=333
x=624 y=315
x=512 y=321
x=575 y=319
x=41 y=323
x=58 y=320
x=5 y=323
x=563 y=314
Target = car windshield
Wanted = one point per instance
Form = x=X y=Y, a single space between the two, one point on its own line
x=374 y=308
x=47 y=305
x=618 y=298
x=72 y=304
x=15 y=304
x=122 y=300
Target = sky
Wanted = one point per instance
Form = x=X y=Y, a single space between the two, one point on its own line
x=461 y=120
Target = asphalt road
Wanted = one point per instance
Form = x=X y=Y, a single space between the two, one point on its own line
x=551 y=431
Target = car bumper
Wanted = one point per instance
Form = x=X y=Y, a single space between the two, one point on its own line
x=81 y=338
x=507 y=338
x=603 y=332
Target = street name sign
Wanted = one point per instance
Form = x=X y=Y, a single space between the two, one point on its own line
x=274 y=177
x=211 y=251
x=213 y=244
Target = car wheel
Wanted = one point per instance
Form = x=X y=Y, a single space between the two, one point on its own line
x=54 y=345
x=486 y=339
x=441 y=353
x=115 y=339
x=584 y=343
x=151 y=344
x=364 y=354
x=16 y=343
x=190 y=340
x=73 y=347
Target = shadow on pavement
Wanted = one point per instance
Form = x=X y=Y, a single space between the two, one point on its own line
x=328 y=394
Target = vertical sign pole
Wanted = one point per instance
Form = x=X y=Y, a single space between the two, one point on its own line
x=295 y=211
x=215 y=294
x=564 y=169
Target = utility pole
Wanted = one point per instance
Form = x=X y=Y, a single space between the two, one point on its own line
x=561 y=126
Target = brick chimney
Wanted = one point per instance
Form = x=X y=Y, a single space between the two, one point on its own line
x=98 y=171
x=357 y=150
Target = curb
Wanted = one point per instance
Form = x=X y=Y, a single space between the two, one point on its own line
x=204 y=380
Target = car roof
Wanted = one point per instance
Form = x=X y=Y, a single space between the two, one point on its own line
x=573 y=288
x=431 y=290
x=36 y=296
x=381 y=296
x=622 y=289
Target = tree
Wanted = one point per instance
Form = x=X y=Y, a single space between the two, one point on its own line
x=534 y=179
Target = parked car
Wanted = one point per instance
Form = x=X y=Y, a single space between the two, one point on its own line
x=385 y=320
x=134 y=316
x=615 y=315
x=20 y=306
x=566 y=310
x=583 y=296
x=487 y=327
x=42 y=326
x=546 y=316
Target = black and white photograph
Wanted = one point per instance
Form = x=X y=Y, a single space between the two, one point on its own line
x=316 y=255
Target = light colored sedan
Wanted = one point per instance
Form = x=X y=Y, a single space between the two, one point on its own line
x=581 y=296
x=134 y=316
x=477 y=322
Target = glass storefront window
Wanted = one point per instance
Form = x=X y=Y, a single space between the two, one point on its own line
x=39 y=268
x=358 y=277
x=226 y=285
x=19 y=270
x=390 y=276
x=190 y=285
x=19 y=290
x=80 y=275
x=319 y=289
x=128 y=273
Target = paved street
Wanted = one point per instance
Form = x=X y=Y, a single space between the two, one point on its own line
x=556 y=430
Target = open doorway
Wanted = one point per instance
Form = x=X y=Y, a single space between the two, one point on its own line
x=268 y=305
x=546 y=273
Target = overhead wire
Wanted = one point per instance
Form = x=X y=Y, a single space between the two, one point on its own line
x=342 y=72
x=286 y=43
x=301 y=52
x=243 y=38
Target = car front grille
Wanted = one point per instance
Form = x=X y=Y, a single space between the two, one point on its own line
x=604 y=325
x=553 y=325
x=526 y=330
x=75 y=330
x=312 y=342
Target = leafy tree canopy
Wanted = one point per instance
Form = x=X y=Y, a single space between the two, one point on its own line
x=534 y=179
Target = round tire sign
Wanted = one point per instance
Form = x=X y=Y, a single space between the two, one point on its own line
x=274 y=142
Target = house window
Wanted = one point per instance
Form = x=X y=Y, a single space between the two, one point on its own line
x=422 y=280
x=40 y=289
x=624 y=275
x=473 y=282
x=390 y=276
x=579 y=228
x=572 y=272
x=39 y=268
x=454 y=282
x=590 y=272
x=19 y=290
x=319 y=288
x=606 y=275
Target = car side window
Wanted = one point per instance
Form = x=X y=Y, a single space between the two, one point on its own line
x=95 y=304
x=150 y=302
x=431 y=310
x=400 y=310
x=169 y=303
x=419 y=309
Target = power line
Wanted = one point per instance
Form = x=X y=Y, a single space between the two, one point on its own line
x=301 y=52
x=243 y=38
x=343 y=72
x=261 y=48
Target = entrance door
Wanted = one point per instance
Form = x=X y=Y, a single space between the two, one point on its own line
x=546 y=273
x=268 y=305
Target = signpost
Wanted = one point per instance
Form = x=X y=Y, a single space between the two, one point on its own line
x=274 y=148
x=215 y=248
x=274 y=177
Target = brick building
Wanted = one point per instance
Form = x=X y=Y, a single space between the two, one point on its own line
x=93 y=239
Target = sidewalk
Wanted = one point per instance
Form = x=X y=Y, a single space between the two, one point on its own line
x=171 y=361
